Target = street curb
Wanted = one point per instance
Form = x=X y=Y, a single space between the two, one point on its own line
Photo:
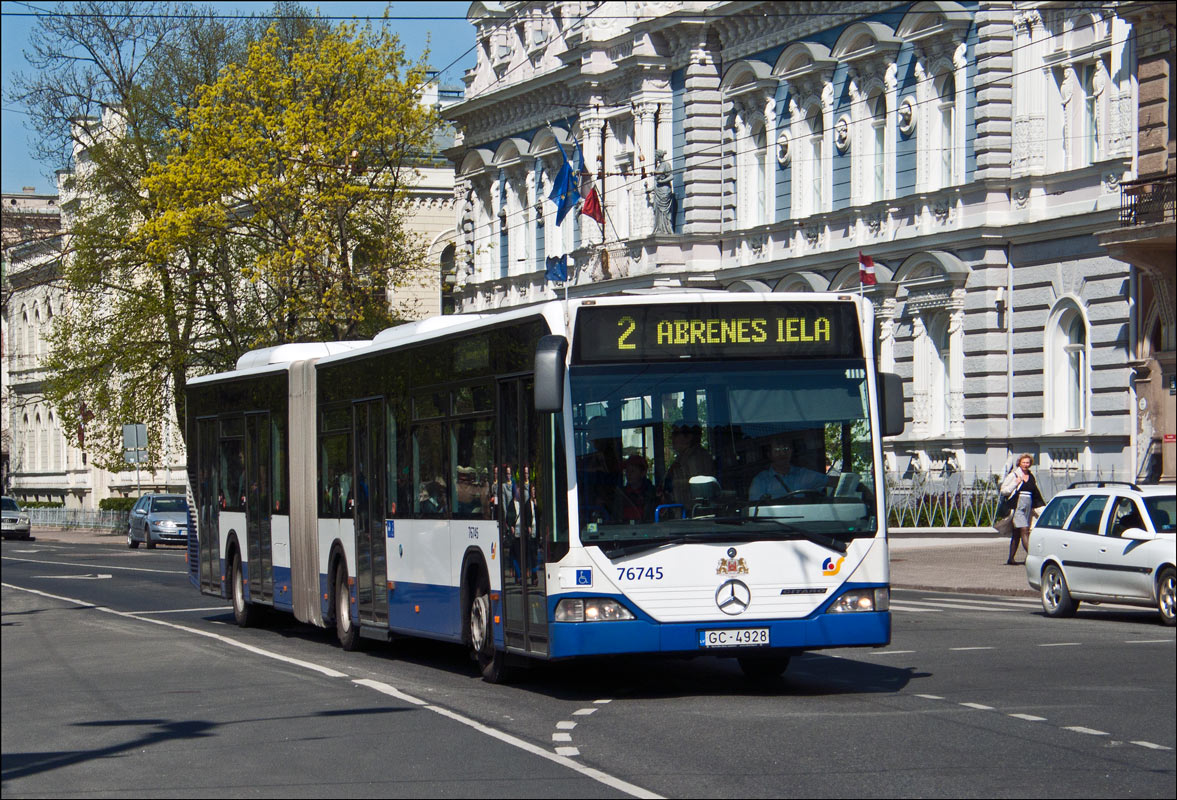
x=985 y=590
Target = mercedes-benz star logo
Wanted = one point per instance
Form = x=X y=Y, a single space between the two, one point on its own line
x=733 y=597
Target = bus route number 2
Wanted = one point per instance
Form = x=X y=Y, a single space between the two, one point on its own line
x=639 y=573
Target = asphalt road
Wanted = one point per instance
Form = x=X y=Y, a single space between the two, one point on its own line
x=135 y=684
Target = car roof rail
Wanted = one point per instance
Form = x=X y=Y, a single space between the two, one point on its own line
x=1102 y=484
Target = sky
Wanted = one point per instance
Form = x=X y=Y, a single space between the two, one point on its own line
x=442 y=24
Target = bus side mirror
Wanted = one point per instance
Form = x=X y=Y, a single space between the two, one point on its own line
x=550 y=355
x=891 y=403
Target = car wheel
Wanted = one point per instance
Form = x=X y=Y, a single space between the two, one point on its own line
x=242 y=609
x=147 y=537
x=132 y=542
x=346 y=630
x=1056 y=597
x=763 y=668
x=1165 y=598
x=480 y=632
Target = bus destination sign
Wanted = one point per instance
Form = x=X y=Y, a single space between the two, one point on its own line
x=716 y=330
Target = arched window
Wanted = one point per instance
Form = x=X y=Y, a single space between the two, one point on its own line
x=815 y=171
x=946 y=129
x=877 y=146
x=1068 y=382
x=448 y=279
x=756 y=177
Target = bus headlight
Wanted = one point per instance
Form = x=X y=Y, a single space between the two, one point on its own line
x=591 y=609
x=861 y=600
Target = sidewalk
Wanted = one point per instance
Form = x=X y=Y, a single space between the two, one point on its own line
x=955 y=560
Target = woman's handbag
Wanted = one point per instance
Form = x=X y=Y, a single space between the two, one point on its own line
x=1005 y=525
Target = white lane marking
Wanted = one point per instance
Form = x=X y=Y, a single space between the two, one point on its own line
x=603 y=702
x=996 y=603
x=391 y=691
x=330 y=673
x=1149 y=641
x=1152 y=746
x=977 y=706
x=890 y=652
x=98 y=566
x=1028 y=717
x=182 y=610
x=558 y=758
x=951 y=605
x=584 y=712
x=930 y=696
x=565 y=725
x=970 y=648
x=91 y=577
x=909 y=609
x=561 y=737
x=1061 y=644
x=1081 y=729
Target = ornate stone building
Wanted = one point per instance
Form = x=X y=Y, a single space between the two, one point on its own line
x=973 y=149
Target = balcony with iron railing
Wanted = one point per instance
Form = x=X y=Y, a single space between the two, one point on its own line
x=1148 y=201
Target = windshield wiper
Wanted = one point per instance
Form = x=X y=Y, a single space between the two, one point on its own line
x=793 y=531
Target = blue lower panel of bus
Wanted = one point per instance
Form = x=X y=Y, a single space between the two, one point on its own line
x=648 y=636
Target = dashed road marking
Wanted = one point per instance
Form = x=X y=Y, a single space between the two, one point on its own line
x=584 y=712
x=970 y=648
x=1152 y=746
x=1060 y=644
x=1028 y=717
x=977 y=706
x=1081 y=729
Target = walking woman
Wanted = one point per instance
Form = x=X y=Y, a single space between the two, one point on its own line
x=1022 y=490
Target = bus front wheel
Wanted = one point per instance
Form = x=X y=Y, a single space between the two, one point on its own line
x=346 y=630
x=481 y=634
x=242 y=609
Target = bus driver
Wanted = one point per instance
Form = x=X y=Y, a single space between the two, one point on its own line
x=782 y=477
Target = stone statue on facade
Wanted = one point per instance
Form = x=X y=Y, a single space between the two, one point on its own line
x=662 y=195
x=468 y=234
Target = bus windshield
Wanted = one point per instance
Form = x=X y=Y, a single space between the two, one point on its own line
x=736 y=450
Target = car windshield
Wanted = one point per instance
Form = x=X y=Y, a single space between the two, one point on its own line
x=736 y=450
x=164 y=504
x=1163 y=512
x=8 y=504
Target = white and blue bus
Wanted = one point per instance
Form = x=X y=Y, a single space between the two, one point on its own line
x=678 y=473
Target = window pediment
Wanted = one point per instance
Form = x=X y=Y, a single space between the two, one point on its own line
x=866 y=40
x=804 y=60
x=747 y=77
x=934 y=19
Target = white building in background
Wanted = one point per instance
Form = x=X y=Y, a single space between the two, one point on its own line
x=972 y=149
x=39 y=464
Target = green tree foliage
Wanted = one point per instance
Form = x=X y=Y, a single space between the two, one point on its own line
x=299 y=159
x=103 y=96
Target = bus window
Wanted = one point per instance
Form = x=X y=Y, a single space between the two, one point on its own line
x=429 y=474
x=231 y=493
x=335 y=476
x=472 y=460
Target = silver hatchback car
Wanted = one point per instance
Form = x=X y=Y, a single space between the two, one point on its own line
x=1105 y=542
x=16 y=520
x=157 y=518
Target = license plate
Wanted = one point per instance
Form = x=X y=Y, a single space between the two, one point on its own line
x=734 y=637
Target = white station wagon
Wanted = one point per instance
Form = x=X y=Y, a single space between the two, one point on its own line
x=1105 y=542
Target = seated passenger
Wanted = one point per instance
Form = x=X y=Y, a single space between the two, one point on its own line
x=782 y=477
x=638 y=492
x=691 y=460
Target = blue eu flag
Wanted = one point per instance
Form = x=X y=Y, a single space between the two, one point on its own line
x=557 y=268
x=564 y=192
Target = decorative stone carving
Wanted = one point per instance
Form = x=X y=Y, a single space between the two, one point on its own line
x=757 y=244
x=907 y=116
x=842 y=134
x=783 y=154
x=1021 y=197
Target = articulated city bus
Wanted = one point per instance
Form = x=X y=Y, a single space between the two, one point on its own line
x=678 y=473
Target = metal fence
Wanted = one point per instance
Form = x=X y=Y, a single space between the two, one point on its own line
x=78 y=518
x=964 y=499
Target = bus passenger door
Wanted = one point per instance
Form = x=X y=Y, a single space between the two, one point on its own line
x=258 y=461
x=208 y=513
x=369 y=487
x=525 y=625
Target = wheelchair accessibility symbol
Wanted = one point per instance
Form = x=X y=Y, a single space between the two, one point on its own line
x=584 y=577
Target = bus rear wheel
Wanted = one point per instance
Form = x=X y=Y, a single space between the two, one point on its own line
x=491 y=662
x=346 y=630
x=242 y=609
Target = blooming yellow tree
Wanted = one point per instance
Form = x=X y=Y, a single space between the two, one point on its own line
x=300 y=159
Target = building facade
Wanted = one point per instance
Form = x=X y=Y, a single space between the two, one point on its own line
x=973 y=150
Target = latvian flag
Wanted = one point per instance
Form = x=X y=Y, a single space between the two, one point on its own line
x=866 y=270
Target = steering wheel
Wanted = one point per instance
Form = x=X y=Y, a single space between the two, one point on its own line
x=803 y=496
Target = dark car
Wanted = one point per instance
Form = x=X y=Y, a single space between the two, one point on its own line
x=158 y=518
